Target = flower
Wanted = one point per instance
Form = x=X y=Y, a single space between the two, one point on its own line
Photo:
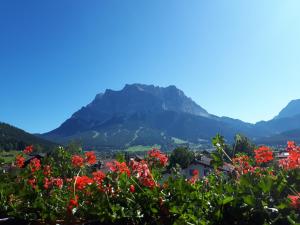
x=47 y=170
x=142 y=173
x=90 y=158
x=73 y=204
x=58 y=182
x=157 y=155
x=263 y=154
x=295 y=201
x=35 y=165
x=82 y=182
x=293 y=159
x=132 y=188
x=98 y=177
x=28 y=149
x=195 y=172
x=20 y=161
x=118 y=167
x=241 y=164
x=47 y=183
x=194 y=178
x=77 y=161
x=32 y=182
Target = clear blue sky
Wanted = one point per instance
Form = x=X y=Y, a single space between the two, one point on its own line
x=234 y=58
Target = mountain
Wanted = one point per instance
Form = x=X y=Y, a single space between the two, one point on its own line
x=291 y=110
x=285 y=126
x=12 y=138
x=144 y=115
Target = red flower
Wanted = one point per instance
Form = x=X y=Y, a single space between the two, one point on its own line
x=195 y=172
x=118 y=167
x=47 y=170
x=132 y=188
x=28 y=149
x=293 y=159
x=47 y=183
x=194 y=178
x=159 y=156
x=58 y=182
x=263 y=154
x=295 y=201
x=82 y=182
x=73 y=204
x=32 y=182
x=142 y=172
x=241 y=164
x=35 y=165
x=98 y=177
x=77 y=161
x=20 y=161
x=90 y=158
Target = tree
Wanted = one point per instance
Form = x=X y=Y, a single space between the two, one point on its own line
x=242 y=145
x=182 y=156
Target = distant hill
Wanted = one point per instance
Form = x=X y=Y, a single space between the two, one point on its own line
x=12 y=138
x=144 y=115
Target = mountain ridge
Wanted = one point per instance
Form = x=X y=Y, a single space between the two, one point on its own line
x=123 y=117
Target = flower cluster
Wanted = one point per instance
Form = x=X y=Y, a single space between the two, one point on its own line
x=241 y=164
x=142 y=173
x=295 y=200
x=90 y=158
x=159 y=156
x=263 y=154
x=28 y=149
x=118 y=167
x=195 y=177
x=293 y=159
x=20 y=161
x=81 y=182
x=79 y=161
x=35 y=165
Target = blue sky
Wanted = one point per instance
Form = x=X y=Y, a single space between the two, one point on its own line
x=234 y=58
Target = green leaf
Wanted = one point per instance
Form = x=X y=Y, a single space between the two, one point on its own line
x=249 y=199
x=227 y=200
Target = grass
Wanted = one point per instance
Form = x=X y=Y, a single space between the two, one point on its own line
x=8 y=157
x=141 y=148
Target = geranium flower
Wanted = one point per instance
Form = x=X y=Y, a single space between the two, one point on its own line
x=159 y=156
x=295 y=201
x=28 y=149
x=20 y=161
x=263 y=154
x=98 y=177
x=293 y=159
x=73 y=204
x=32 y=182
x=58 y=182
x=47 y=170
x=90 y=158
x=118 y=167
x=132 y=188
x=82 y=182
x=47 y=183
x=35 y=165
x=142 y=173
x=77 y=161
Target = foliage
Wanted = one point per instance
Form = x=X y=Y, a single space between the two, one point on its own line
x=12 y=138
x=182 y=156
x=242 y=145
x=64 y=186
